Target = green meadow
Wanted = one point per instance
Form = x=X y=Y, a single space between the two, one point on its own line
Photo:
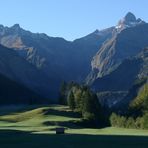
x=34 y=127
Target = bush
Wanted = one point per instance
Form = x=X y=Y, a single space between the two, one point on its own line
x=144 y=121
x=121 y=121
x=130 y=123
x=88 y=116
x=113 y=119
x=138 y=122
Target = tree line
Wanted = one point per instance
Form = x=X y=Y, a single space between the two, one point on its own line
x=137 y=115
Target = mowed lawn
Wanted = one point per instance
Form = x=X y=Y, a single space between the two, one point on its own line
x=34 y=127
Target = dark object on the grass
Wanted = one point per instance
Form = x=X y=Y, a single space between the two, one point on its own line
x=60 y=130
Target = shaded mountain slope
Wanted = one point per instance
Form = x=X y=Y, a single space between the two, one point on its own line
x=58 y=59
x=12 y=92
x=120 y=79
x=128 y=78
x=124 y=76
x=16 y=68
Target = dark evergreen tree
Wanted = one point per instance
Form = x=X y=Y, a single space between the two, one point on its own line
x=62 y=96
x=71 y=101
x=83 y=100
x=91 y=106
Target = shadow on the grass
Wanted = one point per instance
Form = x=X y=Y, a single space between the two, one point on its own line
x=17 y=139
x=67 y=124
x=70 y=114
x=9 y=110
x=13 y=109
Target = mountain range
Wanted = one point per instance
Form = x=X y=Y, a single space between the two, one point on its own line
x=57 y=59
x=106 y=60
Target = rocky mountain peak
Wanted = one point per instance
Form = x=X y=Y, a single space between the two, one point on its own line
x=130 y=17
x=129 y=20
x=96 y=31
x=16 y=26
x=1 y=26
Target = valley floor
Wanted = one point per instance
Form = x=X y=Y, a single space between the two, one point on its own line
x=34 y=127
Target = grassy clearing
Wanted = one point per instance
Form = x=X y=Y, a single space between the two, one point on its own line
x=37 y=120
x=34 y=127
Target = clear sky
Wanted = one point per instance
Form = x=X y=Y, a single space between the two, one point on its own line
x=70 y=19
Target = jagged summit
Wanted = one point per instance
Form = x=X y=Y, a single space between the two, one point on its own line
x=16 y=26
x=129 y=20
x=130 y=17
x=15 y=29
x=96 y=31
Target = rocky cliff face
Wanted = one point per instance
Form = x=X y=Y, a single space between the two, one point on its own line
x=144 y=69
x=127 y=42
x=123 y=79
x=129 y=21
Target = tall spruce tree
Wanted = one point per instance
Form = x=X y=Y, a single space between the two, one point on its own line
x=62 y=97
x=71 y=101
x=91 y=106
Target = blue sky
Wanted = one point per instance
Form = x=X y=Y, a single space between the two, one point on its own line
x=70 y=19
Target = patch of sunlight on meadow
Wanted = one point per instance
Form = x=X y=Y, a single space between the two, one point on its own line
x=44 y=120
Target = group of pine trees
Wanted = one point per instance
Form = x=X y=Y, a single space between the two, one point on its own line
x=81 y=99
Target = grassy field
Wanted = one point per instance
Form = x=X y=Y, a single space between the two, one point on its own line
x=35 y=127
